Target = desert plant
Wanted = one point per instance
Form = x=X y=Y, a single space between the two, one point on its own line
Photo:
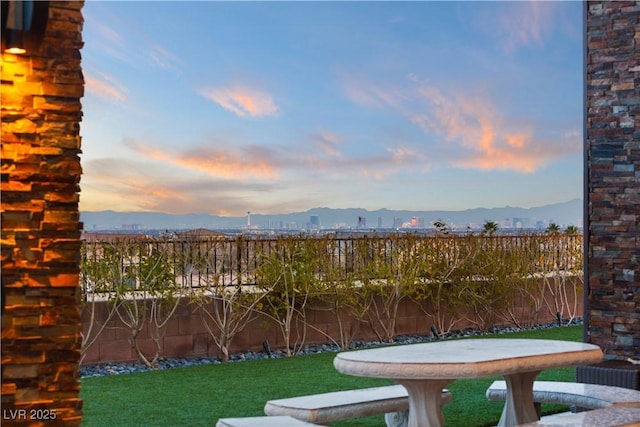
x=336 y=290
x=100 y=271
x=561 y=268
x=439 y=290
x=225 y=309
x=286 y=274
x=525 y=294
x=149 y=295
x=389 y=278
x=496 y=267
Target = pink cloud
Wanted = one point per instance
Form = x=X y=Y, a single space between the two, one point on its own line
x=470 y=130
x=105 y=87
x=327 y=143
x=243 y=101
x=117 y=183
x=227 y=163
x=485 y=139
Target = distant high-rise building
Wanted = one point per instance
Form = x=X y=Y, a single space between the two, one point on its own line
x=379 y=222
x=397 y=222
x=362 y=222
x=314 y=222
x=417 y=222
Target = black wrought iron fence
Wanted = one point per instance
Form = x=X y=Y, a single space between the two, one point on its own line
x=235 y=261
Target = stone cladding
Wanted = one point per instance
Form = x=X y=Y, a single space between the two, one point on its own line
x=612 y=129
x=40 y=244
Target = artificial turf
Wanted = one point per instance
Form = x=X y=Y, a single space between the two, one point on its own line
x=200 y=395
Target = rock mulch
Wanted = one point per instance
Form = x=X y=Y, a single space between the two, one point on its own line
x=103 y=369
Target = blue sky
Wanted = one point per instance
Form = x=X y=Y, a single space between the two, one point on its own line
x=274 y=107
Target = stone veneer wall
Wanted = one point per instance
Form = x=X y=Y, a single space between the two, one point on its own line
x=41 y=327
x=612 y=189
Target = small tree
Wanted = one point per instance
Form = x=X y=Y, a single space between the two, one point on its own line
x=336 y=291
x=553 y=228
x=286 y=273
x=571 y=229
x=439 y=289
x=149 y=295
x=525 y=292
x=225 y=309
x=389 y=278
x=496 y=268
x=561 y=266
x=100 y=272
x=490 y=228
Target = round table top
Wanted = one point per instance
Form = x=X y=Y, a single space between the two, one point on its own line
x=466 y=358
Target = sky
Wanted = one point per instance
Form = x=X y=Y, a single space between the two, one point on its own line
x=276 y=107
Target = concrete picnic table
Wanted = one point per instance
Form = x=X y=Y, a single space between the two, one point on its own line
x=425 y=369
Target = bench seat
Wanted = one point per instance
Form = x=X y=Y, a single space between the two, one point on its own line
x=591 y=396
x=603 y=417
x=283 y=421
x=340 y=405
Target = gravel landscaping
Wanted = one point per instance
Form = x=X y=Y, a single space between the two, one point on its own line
x=169 y=363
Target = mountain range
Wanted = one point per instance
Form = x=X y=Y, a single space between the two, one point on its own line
x=563 y=214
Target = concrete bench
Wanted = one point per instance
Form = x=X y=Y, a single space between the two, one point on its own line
x=341 y=405
x=605 y=417
x=590 y=396
x=262 y=422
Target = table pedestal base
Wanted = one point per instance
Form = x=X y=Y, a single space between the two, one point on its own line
x=425 y=403
x=519 y=407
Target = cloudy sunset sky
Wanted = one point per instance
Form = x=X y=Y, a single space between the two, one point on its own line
x=275 y=107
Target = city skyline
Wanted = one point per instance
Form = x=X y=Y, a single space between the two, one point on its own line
x=564 y=214
x=271 y=107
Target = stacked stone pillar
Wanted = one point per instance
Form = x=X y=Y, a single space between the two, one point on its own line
x=613 y=176
x=41 y=114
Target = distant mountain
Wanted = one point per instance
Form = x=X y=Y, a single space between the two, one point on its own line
x=563 y=214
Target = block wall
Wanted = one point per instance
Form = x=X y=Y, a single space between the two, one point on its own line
x=612 y=130
x=40 y=244
x=186 y=336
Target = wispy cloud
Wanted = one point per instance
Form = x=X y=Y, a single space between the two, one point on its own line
x=222 y=162
x=400 y=155
x=164 y=59
x=224 y=159
x=362 y=91
x=105 y=86
x=127 y=42
x=107 y=40
x=519 y=24
x=468 y=129
x=243 y=100
x=113 y=182
x=327 y=143
x=529 y=25
x=481 y=134
x=120 y=182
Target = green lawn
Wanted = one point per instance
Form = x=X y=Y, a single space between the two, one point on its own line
x=198 y=396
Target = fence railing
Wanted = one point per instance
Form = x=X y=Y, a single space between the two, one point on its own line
x=235 y=261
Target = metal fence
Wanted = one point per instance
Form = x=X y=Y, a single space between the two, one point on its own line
x=235 y=261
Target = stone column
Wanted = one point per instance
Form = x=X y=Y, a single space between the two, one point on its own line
x=613 y=176
x=40 y=242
